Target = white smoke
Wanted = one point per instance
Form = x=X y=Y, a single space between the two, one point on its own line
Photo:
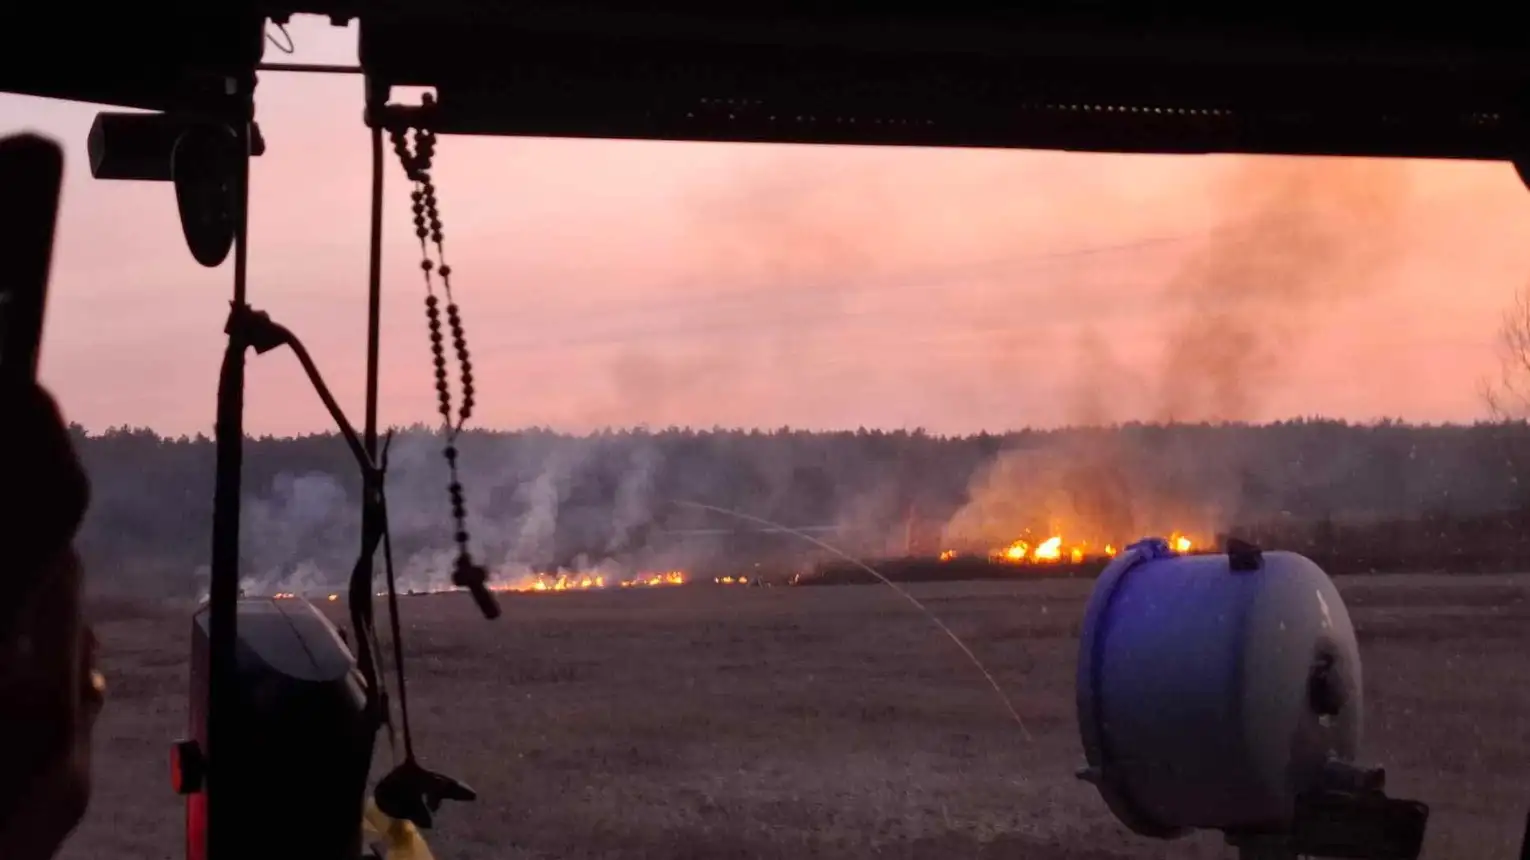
x=634 y=506
x=302 y=533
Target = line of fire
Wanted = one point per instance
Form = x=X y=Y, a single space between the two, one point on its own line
x=916 y=550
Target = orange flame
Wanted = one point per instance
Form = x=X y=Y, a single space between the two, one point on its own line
x=652 y=580
x=1055 y=549
x=1049 y=550
x=548 y=582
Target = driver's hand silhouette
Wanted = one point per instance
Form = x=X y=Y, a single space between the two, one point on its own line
x=50 y=691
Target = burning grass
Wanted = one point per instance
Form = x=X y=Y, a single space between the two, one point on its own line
x=828 y=723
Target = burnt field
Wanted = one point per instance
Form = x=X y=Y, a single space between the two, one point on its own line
x=826 y=722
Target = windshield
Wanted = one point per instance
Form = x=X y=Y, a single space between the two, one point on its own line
x=712 y=377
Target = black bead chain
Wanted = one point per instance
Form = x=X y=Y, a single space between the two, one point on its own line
x=427 y=226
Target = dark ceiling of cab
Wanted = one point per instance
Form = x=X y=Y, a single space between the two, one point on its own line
x=1445 y=81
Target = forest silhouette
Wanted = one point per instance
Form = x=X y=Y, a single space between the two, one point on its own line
x=545 y=500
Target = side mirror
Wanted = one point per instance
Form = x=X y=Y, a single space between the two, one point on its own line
x=204 y=166
x=201 y=159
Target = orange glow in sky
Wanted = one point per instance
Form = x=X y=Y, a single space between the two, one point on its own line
x=620 y=283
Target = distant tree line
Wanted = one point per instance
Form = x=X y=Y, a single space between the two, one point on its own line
x=544 y=497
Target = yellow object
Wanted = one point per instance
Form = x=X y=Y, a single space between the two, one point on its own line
x=402 y=837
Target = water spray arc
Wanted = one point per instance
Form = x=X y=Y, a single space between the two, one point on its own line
x=993 y=682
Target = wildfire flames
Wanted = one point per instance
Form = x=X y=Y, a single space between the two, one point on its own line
x=553 y=582
x=541 y=582
x=1054 y=550
x=673 y=577
x=588 y=581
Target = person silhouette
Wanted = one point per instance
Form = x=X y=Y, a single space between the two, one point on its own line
x=50 y=690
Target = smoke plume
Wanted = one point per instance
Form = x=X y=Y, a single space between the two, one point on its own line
x=800 y=246
x=1292 y=236
x=1297 y=235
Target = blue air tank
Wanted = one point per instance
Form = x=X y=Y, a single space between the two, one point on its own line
x=1212 y=689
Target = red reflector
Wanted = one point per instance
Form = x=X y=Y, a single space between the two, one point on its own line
x=196 y=827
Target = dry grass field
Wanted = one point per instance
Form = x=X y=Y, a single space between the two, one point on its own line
x=827 y=722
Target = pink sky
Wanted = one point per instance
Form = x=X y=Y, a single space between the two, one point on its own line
x=622 y=283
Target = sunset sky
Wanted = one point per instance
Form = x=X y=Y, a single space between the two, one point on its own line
x=619 y=283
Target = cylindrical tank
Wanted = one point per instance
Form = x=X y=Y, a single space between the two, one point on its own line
x=1212 y=689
